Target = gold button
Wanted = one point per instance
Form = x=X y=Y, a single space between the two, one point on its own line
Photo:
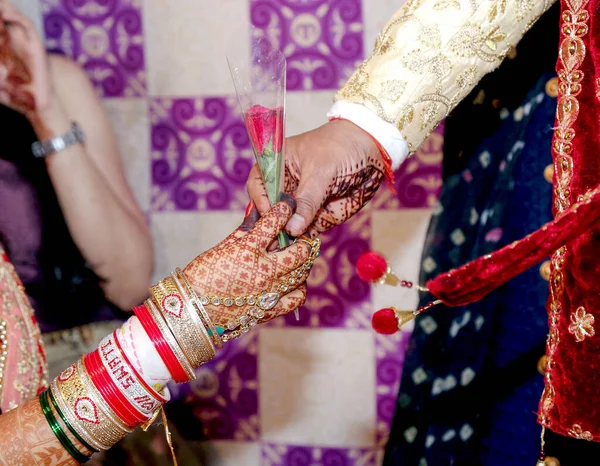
x=549 y=173
x=551 y=461
x=542 y=364
x=552 y=87
x=545 y=270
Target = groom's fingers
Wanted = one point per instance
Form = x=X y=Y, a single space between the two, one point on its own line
x=257 y=191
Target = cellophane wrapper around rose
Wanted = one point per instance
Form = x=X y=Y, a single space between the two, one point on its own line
x=260 y=85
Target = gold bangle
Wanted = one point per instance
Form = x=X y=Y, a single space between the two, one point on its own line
x=92 y=419
x=216 y=338
x=196 y=315
x=183 y=321
x=100 y=402
x=170 y=339
x=76 y=424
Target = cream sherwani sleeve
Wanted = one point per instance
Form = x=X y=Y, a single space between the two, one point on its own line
x=428 y=57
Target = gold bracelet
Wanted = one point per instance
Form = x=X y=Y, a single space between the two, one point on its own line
x=267 y=300
x=184 y=322
x=170 y=339
x=181 y=278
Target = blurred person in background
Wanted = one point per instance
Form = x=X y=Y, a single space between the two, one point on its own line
x=68 y=219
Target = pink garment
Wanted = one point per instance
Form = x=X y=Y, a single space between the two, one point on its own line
x=23 y=374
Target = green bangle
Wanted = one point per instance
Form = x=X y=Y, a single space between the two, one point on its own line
x=64 y=418
x=56 y=429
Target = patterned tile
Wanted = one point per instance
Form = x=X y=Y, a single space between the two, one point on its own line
x=337 y=297
x=306 y=110
x=317 y=387
x=188 y=44
x=224 y=396
x=228 y=453
x=322 y=40
x=398 y=235
x=129 y=118
x=105 y=37
x=389 y=354
x=419 y=179
x=282 y=455
x=201 y=155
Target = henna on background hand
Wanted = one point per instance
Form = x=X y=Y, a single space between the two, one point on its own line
x=14 y=76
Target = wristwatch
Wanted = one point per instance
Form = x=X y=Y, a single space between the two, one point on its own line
x=42 y=149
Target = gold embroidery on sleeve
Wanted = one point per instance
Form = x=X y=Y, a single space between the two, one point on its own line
x=439 y=49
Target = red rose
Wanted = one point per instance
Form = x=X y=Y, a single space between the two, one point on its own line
x=265 y=127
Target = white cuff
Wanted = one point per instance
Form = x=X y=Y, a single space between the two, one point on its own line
x=385 y=133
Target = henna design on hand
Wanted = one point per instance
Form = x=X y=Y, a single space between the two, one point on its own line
x=241 y=266
x=14 y=76
x=347 y=193
x=334 y=170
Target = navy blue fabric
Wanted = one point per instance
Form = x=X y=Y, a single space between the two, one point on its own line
x=470 y=387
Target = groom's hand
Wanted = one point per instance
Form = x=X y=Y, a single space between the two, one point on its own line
x=333 y=171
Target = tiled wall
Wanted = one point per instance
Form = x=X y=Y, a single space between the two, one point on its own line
x=320 y=391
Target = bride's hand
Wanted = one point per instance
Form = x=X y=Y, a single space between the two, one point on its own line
x=241 y=267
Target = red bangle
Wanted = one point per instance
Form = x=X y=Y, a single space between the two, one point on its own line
x=157 y=396
x=110 y=392
x=162 y=347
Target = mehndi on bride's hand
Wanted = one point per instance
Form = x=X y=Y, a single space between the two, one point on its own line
x=240 y=283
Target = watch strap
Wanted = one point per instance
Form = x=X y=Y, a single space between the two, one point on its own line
x=42 y=149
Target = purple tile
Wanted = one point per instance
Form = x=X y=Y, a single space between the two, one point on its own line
x=224 y=396
x=337 y=297
x=389 y=354
x=321 y=39
x=288 y=455
x=105 y=37
x=419 y=178
x=201 y=155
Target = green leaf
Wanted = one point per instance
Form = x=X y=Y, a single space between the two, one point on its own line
x=269 y=149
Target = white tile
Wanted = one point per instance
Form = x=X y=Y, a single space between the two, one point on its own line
x=223 y=453
x=399 y=235
x=129 y=118
x=376 y=14
x=187 y=42
x=307 y=110
x=181 y=236
x=317 y=387
x=31 y=8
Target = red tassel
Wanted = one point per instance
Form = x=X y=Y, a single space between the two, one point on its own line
x=384 y=321
x=371 y=266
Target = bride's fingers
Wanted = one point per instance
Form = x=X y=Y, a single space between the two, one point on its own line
x=270 y=224
x=292 y=257
x=250 y=217
x=286 y=304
